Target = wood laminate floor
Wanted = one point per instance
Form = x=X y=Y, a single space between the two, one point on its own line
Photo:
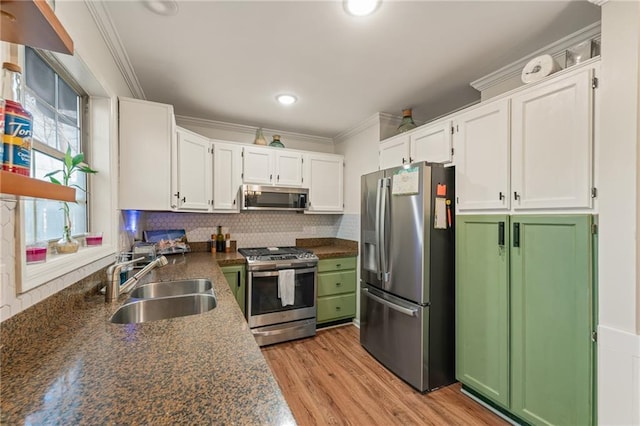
x=331 y=379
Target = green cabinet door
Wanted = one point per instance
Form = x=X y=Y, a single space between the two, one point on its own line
x=482 y=305
x=551 y=296
x=235 y=276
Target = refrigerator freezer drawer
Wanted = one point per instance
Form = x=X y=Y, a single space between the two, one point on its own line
x=394 y=331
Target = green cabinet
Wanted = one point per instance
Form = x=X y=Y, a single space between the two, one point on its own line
x=236 y=277
x=482 y=305
x=551 y=346
x=525 y=314
x=336 y=289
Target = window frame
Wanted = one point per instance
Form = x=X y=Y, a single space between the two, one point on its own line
x=100 y=133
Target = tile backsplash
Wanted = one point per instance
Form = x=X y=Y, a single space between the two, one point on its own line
x=250 y=229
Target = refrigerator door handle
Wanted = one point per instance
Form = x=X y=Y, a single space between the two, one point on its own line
x=401 y=309
x=383 y=231
x=378 y=239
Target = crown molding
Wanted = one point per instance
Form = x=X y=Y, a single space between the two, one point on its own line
x=110 y=36
x=556 y=50
x=373 y=120
x=250 y=130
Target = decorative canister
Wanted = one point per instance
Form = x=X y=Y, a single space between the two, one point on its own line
x=276 y=142
x=260 y=140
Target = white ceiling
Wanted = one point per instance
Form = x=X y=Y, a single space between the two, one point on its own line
x=226 y=60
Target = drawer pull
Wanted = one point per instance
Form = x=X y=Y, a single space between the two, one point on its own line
x=338 y=284
x=338 y=265
x=337 y=308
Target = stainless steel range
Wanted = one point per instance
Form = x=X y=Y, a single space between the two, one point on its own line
x=281 y=293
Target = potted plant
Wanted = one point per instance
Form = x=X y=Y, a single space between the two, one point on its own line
x=71 y=164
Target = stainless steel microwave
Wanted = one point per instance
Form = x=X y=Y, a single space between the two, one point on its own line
x=259 y=197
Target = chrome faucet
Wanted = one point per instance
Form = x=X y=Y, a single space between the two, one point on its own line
x=114 y=289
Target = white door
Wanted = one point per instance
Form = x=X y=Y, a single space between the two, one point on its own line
x=326 y=182
x=193 y=171
x=257 y=165
x=394 y=152
x=147 y=134
x=288 y=168
x=552 y=150
x=227 y=176
x=482 y=157
x=432 y=143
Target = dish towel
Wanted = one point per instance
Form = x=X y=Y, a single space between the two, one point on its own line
x=287 y=286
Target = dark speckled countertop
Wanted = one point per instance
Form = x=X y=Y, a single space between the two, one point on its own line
x=327 y=248
x=75 y=367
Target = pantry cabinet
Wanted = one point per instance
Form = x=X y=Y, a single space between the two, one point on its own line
x=524 y=319
x=193 y=182
x=271 y=166
x=236 y=278
x=551 y=144
x=336 y=289
x=482 y=157
x=482 y=305
x=227 y=176
x=324 y=173
x=532 y=150
x=147 y=132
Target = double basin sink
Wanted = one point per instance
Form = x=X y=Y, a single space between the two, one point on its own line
x=166 y=299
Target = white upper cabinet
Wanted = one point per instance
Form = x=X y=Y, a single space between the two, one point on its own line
x=227 y=176
x=271 y=166
x=432 y=143
x=146 y=133
x=325 y=177
x=551 y=144
x=193 y=171
x=394 y=152
x=288 y=169
x=482 y=157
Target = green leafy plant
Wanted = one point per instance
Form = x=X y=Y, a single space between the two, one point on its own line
x=70 y=165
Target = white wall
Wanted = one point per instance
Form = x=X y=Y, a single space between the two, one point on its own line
x=618 y=340
x=246 y=134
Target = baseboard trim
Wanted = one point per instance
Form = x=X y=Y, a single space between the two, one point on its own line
x=489 y=407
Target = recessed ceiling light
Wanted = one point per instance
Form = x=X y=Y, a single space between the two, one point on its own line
x=162 y=7
x=286 y=99
x=361 y=7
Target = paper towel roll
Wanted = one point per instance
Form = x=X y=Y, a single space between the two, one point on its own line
x=538 y=68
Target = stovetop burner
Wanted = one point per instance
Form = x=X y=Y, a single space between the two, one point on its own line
x=277 y=257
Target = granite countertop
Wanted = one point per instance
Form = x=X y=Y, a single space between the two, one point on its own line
x=328 y=248
x=81 y=369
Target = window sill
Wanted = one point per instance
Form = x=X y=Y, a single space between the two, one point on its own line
x=40 y=273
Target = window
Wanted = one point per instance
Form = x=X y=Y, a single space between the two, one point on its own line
x=57 y=105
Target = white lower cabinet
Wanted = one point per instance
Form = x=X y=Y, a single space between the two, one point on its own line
x=324 y=174
x=193 y=172
x=227 y=176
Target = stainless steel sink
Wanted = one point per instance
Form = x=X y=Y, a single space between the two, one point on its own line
x=144 y=310
x=171 y=288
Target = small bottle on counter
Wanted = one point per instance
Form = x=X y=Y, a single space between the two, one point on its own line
x=213 y=243
x=220 y=245
x=227 y=242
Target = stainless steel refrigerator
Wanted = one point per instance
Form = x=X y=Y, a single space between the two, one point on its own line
x=407 y=272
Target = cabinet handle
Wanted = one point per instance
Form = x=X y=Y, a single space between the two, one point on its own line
x=278 y=178
x=234 y=202
x=501 y=234
x=338 y=265
x=238 y=278
x=338 y=308
x=338 y=284
x=410 y=160
x=403 y=160
x=184 y=199
x=516 y=234
x=501 y=196
x=516 y=196
x=270 y=178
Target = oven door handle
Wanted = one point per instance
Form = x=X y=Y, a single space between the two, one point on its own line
x=280 y=330
x=276 y=273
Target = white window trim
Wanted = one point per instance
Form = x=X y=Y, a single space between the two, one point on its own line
x=102 y=132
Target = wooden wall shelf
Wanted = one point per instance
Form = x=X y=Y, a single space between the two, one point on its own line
x=33 y=23
x=15 y=184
